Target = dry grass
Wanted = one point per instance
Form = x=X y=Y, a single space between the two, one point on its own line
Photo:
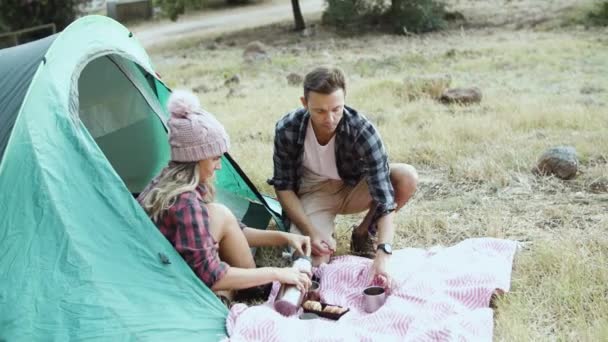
x=543 y=85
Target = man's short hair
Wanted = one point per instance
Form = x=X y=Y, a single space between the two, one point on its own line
x=324 y=80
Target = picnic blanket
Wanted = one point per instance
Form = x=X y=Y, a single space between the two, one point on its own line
x=438 y=294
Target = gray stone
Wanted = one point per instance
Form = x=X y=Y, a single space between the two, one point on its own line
x=202 y=89
x=255 y=51
x=461 y=96
x=294 y=79
x=560 y=161
x=255 y=47
x=232 y=81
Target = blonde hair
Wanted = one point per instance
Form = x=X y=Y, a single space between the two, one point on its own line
x=176 y=179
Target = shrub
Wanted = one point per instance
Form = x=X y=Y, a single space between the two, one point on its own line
x=400 y=16
x=417 y=16
x=352 y=15
x=171 y=8
x=19 y=14
x=3 y=26
x=600 y=16
x=174 y=8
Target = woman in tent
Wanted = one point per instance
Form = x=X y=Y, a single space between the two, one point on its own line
x=207 y=234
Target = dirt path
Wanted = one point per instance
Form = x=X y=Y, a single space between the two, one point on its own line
x=226 y=20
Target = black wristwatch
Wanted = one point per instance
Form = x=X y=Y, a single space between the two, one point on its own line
x=386 y=248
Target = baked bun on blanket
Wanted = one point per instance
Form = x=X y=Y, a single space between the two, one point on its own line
x=312 y=305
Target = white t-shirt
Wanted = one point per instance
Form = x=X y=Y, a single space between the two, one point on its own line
x=319 y=159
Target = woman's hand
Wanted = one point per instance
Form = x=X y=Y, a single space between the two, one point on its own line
x=300 y=243
x=292 y=276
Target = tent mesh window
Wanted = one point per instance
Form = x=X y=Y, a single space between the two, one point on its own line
x=123 y=115
x=122 y=108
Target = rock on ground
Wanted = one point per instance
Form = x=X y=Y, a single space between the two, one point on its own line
x=560 y=161
x=461 y=96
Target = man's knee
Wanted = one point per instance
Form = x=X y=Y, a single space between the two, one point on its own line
x=404 y=178
x=404 y=172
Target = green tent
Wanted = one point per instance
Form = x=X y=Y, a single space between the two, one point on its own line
x=82 y=129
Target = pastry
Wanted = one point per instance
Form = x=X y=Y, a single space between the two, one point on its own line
x=312 y=305
x=334 y=309
x=331 y=309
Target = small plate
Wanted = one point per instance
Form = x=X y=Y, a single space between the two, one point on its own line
x=329 y=315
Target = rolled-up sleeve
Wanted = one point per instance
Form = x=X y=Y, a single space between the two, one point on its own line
x=195 y=244
x=284 y=175
x=373 y=155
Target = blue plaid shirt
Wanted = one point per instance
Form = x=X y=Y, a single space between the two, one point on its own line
x=359 y=154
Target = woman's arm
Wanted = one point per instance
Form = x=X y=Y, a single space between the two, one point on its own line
x=242 y=278
x=261 y=238
x=195 y=244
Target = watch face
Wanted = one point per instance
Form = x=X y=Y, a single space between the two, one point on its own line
x=386 y=248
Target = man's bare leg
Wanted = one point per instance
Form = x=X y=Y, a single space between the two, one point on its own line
x=404 y=179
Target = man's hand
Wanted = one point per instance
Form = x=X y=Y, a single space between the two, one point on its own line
x=379 y=274
x=322 y=245
x=300 y=243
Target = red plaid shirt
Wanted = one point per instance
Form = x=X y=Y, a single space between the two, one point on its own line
x=186 y=225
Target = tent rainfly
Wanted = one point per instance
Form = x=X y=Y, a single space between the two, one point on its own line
x=83 y=129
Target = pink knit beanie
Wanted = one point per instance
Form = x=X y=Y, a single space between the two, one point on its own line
x=193 y=133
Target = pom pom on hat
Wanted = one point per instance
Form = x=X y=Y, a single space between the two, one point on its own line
x=194 y=134
x=182 y=102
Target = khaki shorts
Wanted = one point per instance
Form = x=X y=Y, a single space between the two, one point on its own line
x=323 y=200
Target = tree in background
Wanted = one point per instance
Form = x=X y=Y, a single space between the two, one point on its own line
x=297 y=15
x=19 y=14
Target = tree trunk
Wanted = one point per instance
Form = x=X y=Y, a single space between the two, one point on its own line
x=297 y=15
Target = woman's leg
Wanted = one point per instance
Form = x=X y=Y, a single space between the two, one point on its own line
x=234 y=250
x=225 y=229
